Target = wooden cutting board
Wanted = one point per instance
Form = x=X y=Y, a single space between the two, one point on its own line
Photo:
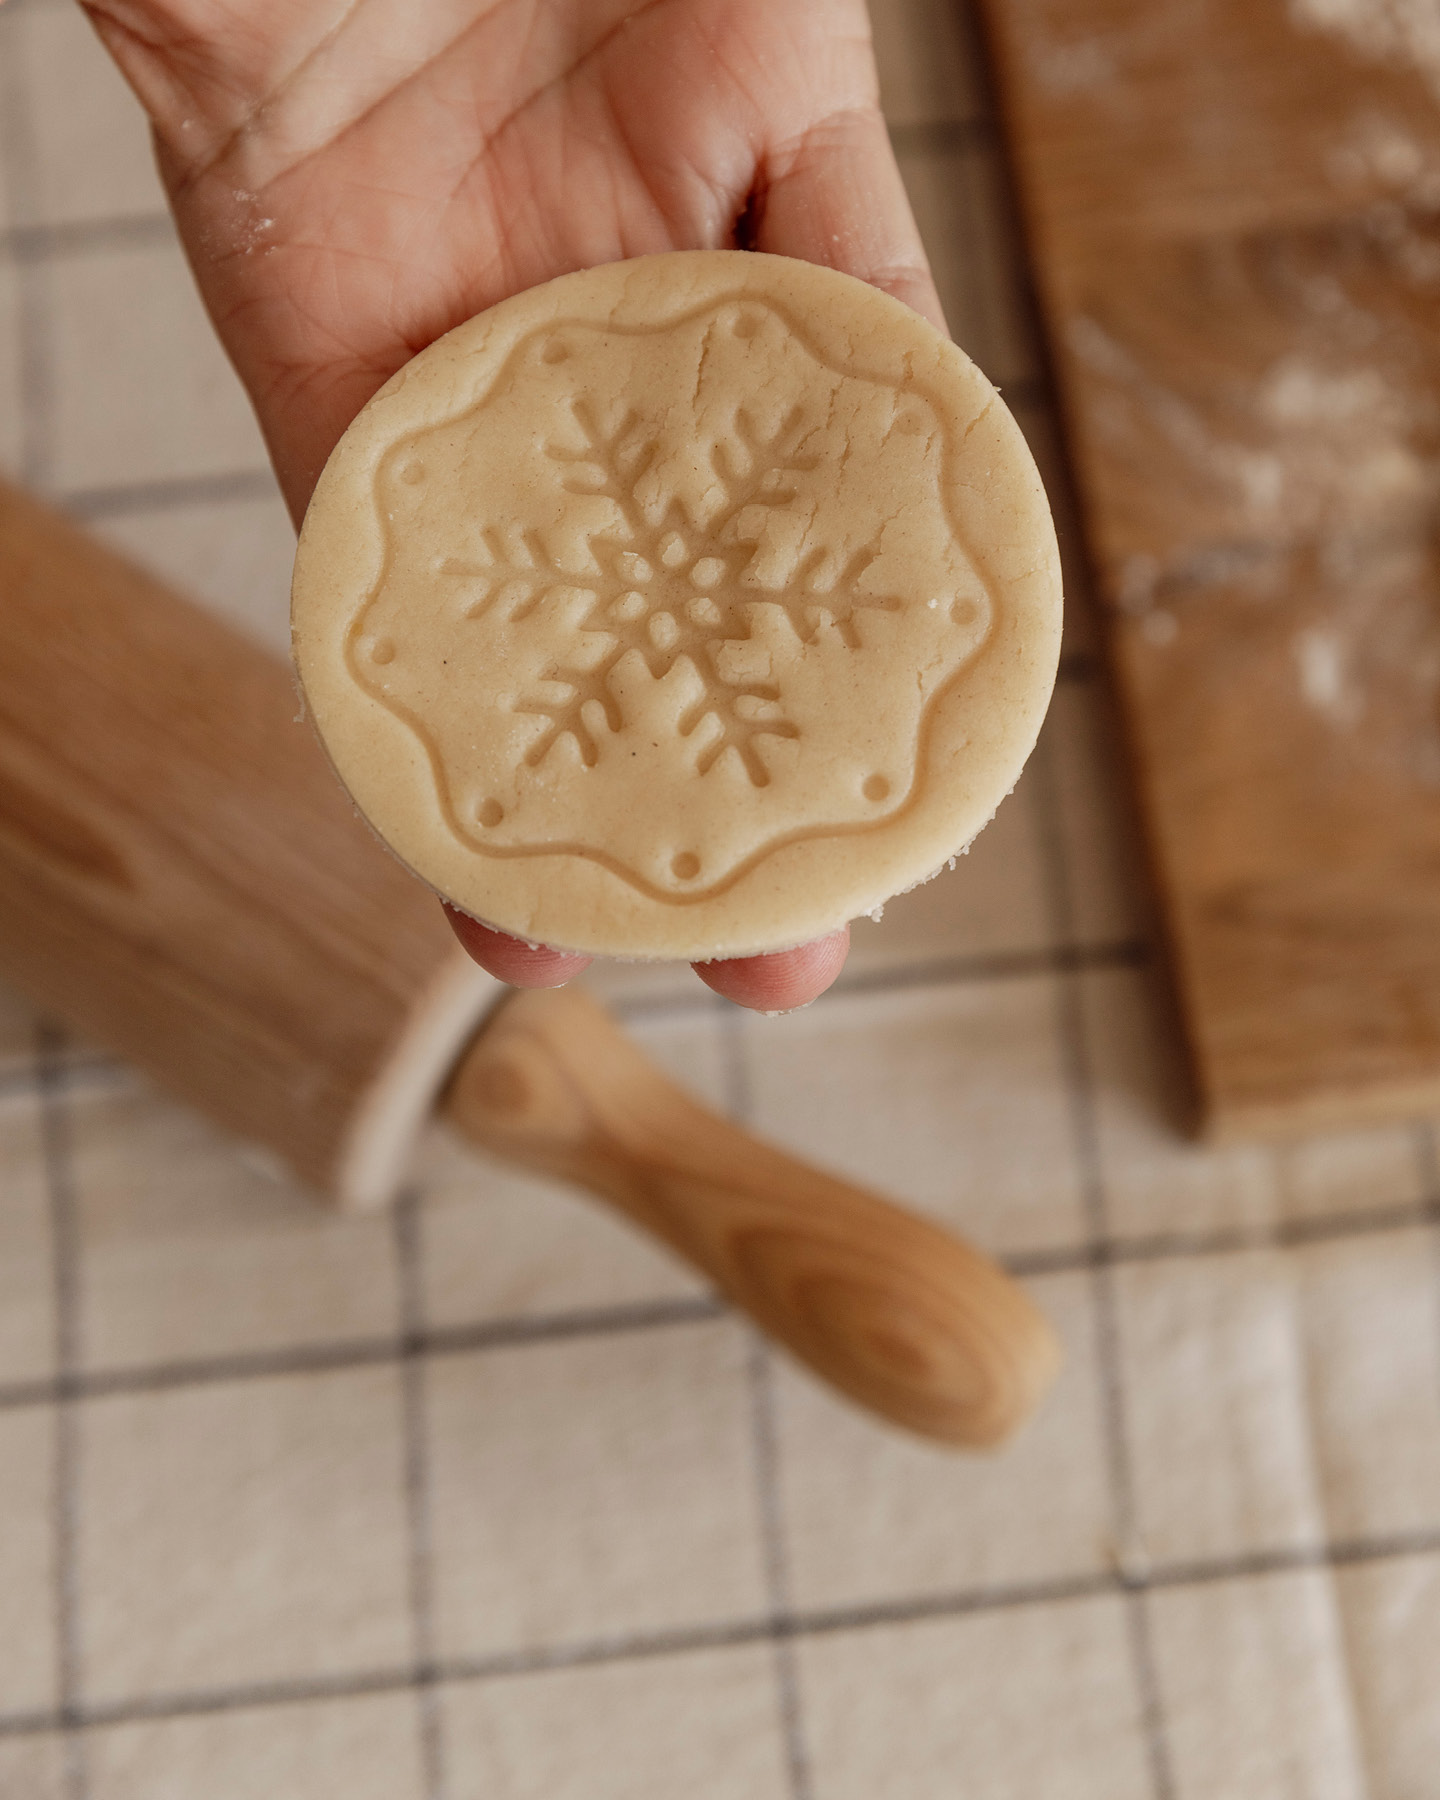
x=1234 y=215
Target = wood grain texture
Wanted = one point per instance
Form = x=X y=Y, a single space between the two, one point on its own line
x=181 y=876
x=1235 y=221
x=889 y=1308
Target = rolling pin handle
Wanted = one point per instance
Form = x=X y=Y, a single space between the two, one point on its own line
x=896 y=1312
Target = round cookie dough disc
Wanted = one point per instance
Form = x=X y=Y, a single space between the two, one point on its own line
x=685 y=607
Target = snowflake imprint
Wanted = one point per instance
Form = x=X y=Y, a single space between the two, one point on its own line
x=666 y=597
x=671 y=592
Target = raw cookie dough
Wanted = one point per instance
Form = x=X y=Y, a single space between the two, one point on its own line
x=684 y=607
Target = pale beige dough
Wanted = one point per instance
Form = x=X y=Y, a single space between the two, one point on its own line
x=684 y=607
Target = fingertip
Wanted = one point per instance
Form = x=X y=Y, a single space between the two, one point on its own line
x=509 y=959
x=782 y=980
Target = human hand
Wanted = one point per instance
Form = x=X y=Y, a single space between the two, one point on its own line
x=351 y=183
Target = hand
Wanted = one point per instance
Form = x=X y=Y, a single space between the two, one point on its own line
x=351 y=182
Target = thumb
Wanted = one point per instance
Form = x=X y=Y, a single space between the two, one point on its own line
x=833 y=195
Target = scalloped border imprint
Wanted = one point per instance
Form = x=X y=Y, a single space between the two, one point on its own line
x=588 y=852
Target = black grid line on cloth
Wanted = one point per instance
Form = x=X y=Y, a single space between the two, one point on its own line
x=18 y=152
x=1075 y=1057
x=418 y=1508
x=1283 y=1234
x=1078 y=1071
x=92 y=1068
x=314 y=1359
x=173 y=494
x=660 y=1315
x=18 y=1080
x=997 y=965
x=760 y=1372
x=954 y=130
x=777 y=1574
x=65 y=1254
x=42 y=242
x=1077 y=668
x=942 y=137
x=1427 y=1152
x=977 y=144
x=1070 y=1028
x=82 y=1069
x=817 y=1623
x=922 y=972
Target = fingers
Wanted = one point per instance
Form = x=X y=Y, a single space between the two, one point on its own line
x=508 y=959
x=834 y=196
x=776 y=983
x=786 y=979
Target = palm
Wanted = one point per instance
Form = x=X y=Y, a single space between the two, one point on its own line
x=347 y=197
x=349 y=190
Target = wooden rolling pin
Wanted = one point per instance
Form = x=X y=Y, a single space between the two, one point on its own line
x=182 y=877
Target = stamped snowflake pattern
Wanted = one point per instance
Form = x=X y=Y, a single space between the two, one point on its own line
x=680 y=625
x=670 y=594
